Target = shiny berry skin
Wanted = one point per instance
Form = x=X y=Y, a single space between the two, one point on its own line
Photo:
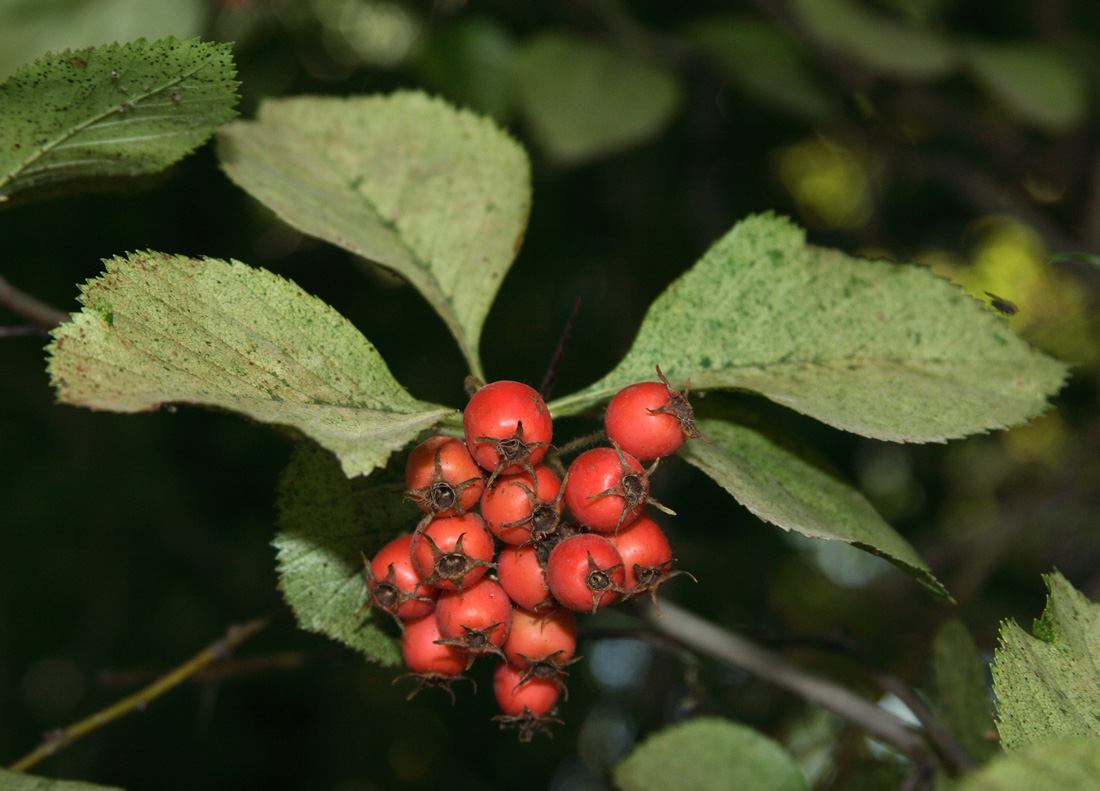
x=394 y=582
x=508 y=427
x=478 y=618
x=584 y=573
x=426 y=657
x=606 y=490
x=442 y=477
x=452 y=552
x=524 y=579
x=541 y=644
x=645 y=552
x=516 y=698
x=513 y=507
x=650 y=420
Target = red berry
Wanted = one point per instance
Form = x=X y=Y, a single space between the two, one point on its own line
x=424 y=656
x=524 y=579
x=650 y=420
x=584 y=573
x=442 y=478
x=534 y=697
x=647 y=557
x=478 y=618
x=606 y=489
x=452 y=552
x=541 y=645
x=508 y=427
x=517 y=512
x=394 y=582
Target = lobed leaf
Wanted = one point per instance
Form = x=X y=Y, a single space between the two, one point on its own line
x=1048 y=686
x=782 y=488
x=883 y=350
x=1061 y=765
x=584 y=100
x=325 y=521
x=708 y=754
x=961 y=695
x=18 y=781
x=439 y=195
x=115 y=110
x=1035 y=81
x=158 y=329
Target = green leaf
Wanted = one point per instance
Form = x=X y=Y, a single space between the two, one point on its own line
x=883 y=350
x=887 y=46
x=708 y=754
x=117 y=110
x=159 y=329
x=472 y=63
x=1062 y=765
x=325 y=521
x=765 y=61
x=18 y=781
x=583 y=100
x=961 y=696
x=439 y=195
x=1048 y=686
x=781 y=487
x=1035 y=81
x=32 y=27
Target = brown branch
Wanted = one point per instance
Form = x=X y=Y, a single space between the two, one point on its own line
x=35 y=310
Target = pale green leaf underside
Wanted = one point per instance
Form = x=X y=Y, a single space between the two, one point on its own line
x=878 y=349
x=1062 y=765
x=439 y=195
x=708 y=754
x=887 y=46
x=325 y=521
x=1036 y=82
x=18 y=781
x=159 y=329
x=780 y=487
x=32 y=27
x=583 y=100
x=1048 y=686
x=68 y=117
x=960 y=696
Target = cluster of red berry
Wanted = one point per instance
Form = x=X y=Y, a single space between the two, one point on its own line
x=434 y=581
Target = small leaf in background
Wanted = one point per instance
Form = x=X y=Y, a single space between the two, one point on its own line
x=1061 y=765
x=159 y=329
x=1048 y=686
x=472 y=64
x=883 y=350
x=325 y=521
x=1034 y=81
x=890 y=47
x=708 y=754
x=439 y=195
x=765 y=61
x=960 y=692
x=117 y=110
x=32 y=27
x=583 y=101
x=18 y=781
x=780 y=487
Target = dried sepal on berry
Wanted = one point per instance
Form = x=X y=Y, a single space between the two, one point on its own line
x=680 y=408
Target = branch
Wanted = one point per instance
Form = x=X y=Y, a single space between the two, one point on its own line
x=220 y=649
x=718 y=643
x=28 y=307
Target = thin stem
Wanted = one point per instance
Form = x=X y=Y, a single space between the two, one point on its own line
x=29 y=307
x=714 y=641
x=220 y=649
x=547 y=385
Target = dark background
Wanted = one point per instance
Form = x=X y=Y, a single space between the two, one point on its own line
x=128 y=543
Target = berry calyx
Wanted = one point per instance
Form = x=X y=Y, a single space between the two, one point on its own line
x=606 y=489
x=517 y=513
x=508 y=428
x=432 y=663
x=452 y=552
x=527 y=705
x=393 y=583
x=442 y=478
x=650 y=420
x=585 y=572
x=476 y=619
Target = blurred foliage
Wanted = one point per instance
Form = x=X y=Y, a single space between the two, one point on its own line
x=129 y=542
